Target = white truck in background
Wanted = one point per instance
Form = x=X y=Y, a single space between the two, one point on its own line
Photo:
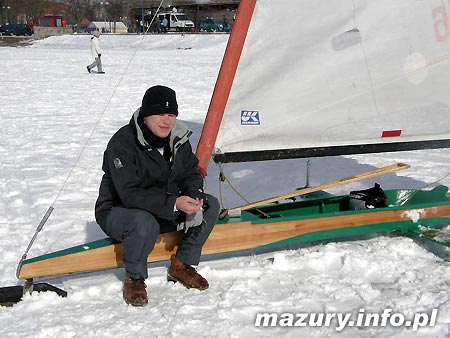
x=177 y=21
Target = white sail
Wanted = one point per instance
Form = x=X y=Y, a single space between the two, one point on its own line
x=330 y=77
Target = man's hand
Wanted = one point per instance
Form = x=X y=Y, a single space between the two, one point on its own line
x=188 y=205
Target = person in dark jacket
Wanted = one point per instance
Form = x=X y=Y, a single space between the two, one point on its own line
x=151 y=184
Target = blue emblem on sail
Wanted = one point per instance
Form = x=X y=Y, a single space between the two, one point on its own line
x=250 y=117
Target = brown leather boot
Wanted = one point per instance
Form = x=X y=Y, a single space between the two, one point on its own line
x=186 y=275
x=134 y=292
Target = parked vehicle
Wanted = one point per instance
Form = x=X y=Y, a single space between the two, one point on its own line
x=16 y=29
x=211 y=25
x=177 y=21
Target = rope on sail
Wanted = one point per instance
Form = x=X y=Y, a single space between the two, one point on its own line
x=224 y=178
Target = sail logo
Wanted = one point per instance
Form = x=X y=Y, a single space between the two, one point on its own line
x=250 y=117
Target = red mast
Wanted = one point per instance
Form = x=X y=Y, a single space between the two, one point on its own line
x=223 y=84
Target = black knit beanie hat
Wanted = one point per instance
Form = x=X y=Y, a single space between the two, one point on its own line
x=159 y=100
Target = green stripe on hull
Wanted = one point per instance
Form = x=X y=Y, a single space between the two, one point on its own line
x=73 y=250
x=404 y=227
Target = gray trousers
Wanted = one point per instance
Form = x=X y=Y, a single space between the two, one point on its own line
x=138 y=231
x=97 y=63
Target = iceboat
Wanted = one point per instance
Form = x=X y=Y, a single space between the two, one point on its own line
x=318 y=218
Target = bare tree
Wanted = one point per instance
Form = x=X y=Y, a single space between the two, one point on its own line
x=36 y=9
x=31 y=10
x=19 y=11
x=114 y=11
x=79 y=10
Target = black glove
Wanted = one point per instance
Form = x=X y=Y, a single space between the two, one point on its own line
x=99 y=55
x=200 y=194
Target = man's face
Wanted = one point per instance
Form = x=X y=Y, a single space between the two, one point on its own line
x=160 y=125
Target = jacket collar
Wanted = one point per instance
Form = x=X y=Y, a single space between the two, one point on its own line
x=180 y=133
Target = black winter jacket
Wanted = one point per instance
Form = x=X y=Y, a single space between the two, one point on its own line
x=137 y=176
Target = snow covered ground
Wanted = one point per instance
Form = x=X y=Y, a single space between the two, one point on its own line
x=55 y=122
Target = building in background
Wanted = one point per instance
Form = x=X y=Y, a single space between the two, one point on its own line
x=131 y=13
x=108 y=27
x=196 y=10
x=50 y=25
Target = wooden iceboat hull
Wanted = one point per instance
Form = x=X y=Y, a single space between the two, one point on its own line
x=289 y=223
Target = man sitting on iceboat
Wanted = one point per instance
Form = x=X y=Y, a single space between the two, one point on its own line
x=151 y=184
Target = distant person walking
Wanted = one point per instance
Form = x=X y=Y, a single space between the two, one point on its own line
x=96 y=54
x=158 y=24
x=164 y=24
x=226 y=25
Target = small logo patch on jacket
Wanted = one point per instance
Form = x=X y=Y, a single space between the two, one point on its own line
x=118 y=163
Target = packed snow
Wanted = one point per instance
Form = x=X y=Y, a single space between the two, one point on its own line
x=56 y=120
